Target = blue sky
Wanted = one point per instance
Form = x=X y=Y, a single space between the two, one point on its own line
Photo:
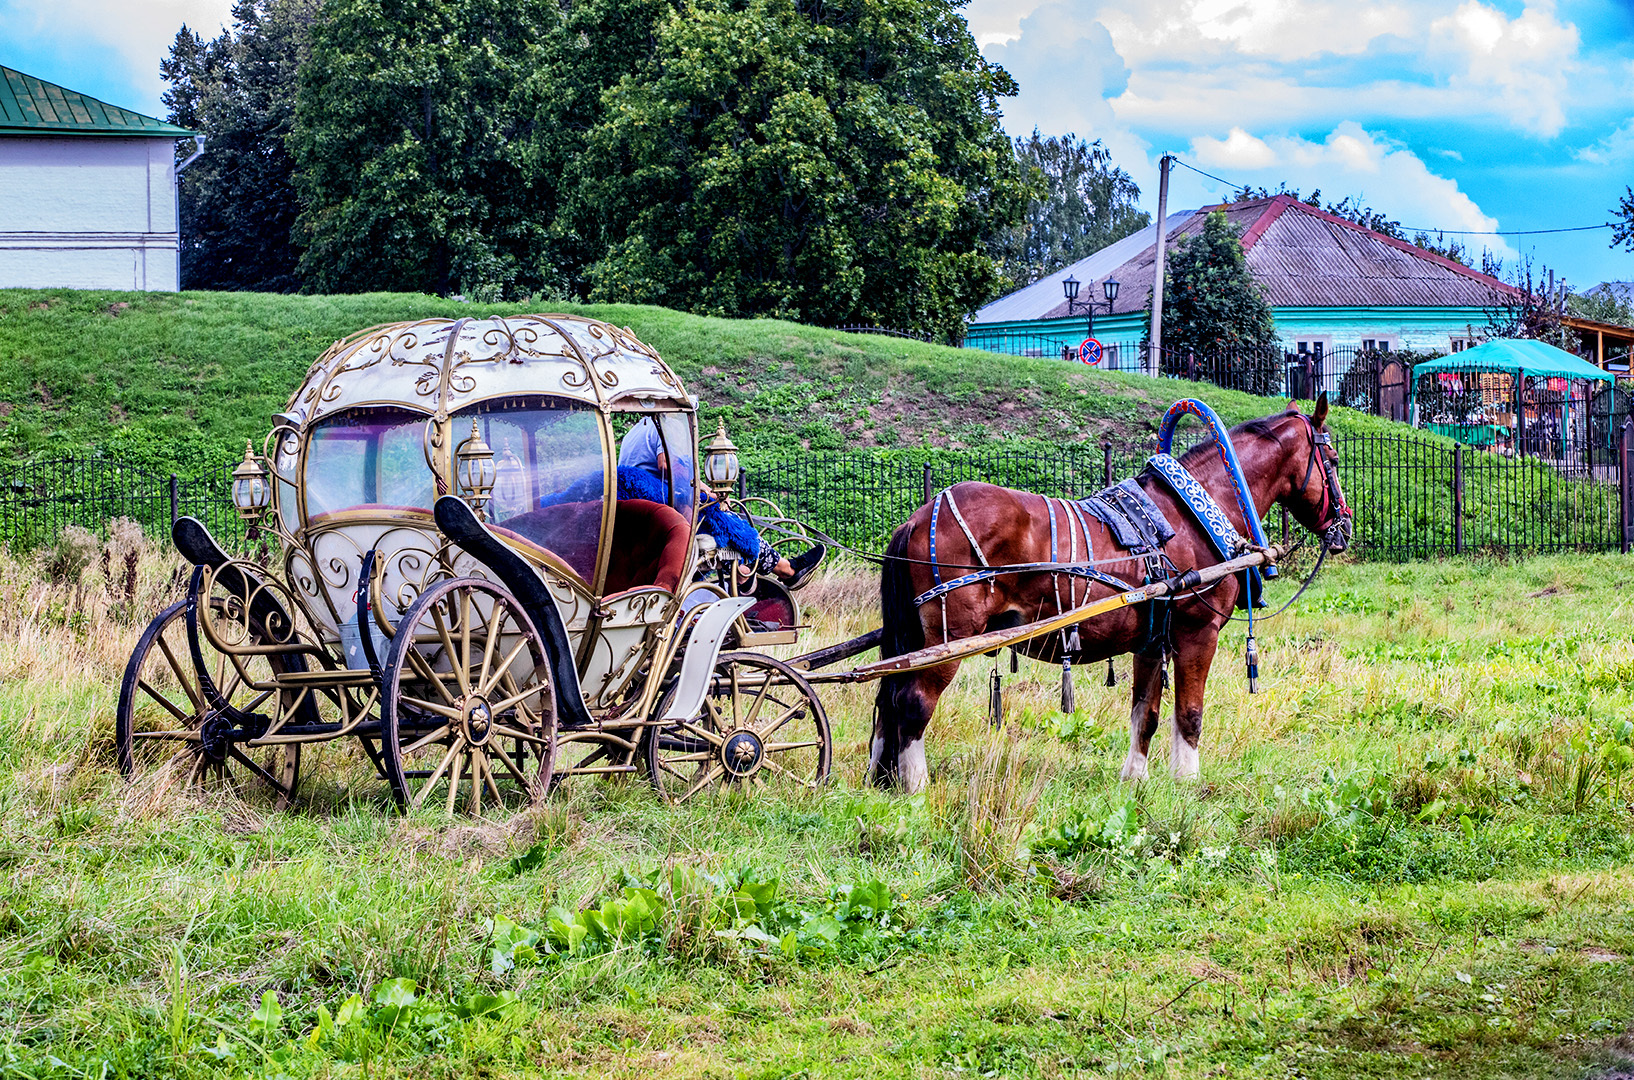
x=1458 y=114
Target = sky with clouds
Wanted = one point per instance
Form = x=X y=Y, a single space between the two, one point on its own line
x=1454 y=114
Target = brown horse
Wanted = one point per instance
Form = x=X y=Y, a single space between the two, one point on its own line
x=1285 y=459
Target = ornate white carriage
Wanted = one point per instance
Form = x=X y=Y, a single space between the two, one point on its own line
x=458 y=581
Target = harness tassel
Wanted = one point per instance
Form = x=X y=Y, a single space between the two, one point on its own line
x=1068 y=704
x=1252 y=655
x=1111 y=673
x=995 y=699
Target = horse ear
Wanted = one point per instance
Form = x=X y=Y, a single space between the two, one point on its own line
x=1320 y=416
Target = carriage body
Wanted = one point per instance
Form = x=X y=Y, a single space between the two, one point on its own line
x=457 y=577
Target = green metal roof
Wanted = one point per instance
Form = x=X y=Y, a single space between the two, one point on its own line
x=30 y=106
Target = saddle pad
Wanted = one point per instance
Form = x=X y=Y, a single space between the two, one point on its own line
x=1135 y=522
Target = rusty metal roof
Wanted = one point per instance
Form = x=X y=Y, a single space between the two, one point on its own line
x=1302 y=256
x=30 y=106
x=1305 y=257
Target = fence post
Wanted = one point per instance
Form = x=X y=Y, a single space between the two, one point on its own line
x=1106 y=463
x=929 y=490
x=1458 y=499
x=175 y=501
x=1625 y=496
x=743 y=484
x=1284 y=526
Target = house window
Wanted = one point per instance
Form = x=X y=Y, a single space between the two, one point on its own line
x=1379 y=344
x=1459 y=344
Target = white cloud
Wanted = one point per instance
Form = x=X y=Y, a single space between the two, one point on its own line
x=1522 y=65
x=1613 y=149
x=1350 y=161
x=1070 y=68
x=141 y=31
x=1212 y=64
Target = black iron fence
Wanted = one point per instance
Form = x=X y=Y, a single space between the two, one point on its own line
x=39 y=499
x=1413 y=496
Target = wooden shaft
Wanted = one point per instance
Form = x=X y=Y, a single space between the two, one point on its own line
x=949 y=651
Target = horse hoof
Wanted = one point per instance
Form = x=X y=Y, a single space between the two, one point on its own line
x=1134 y=772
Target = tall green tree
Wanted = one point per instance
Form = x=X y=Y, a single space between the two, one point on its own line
x=1623 y=228
x=831 y=161
x=1211 y=303
x=238 y=200
x=1083 y=203
x=406 y=142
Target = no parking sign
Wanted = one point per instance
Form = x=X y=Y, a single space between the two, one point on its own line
x=1090 y=352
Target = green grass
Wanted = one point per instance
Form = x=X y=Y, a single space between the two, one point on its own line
x=173 y=378
x=1411 y=856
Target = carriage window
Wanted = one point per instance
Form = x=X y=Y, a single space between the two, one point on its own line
x=368 y=458
x=660 y=445
x=548 y=476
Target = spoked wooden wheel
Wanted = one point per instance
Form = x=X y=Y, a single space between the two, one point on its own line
x=181 y=719
x=468 y=713
x=761 y=726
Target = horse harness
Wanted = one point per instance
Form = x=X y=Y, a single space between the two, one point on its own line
x=1133 y=521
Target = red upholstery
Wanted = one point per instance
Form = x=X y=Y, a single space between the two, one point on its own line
x=651 y=542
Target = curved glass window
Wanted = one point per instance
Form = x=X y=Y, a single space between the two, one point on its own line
x=549 y=480
x=661 y=446
x=367 y=459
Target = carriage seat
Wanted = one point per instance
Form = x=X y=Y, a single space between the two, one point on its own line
x=651 y=542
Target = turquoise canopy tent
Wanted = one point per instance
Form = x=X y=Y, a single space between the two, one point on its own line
x=1518 y=359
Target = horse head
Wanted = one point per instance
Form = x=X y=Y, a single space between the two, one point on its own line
x=1315 y=498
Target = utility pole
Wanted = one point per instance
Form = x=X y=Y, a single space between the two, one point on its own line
x=1153 y=354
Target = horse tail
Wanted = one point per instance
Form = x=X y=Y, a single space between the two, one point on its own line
x=902 y=632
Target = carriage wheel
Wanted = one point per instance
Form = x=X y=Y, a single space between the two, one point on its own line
x=761 y=725
x=169 y=725
x=468 y=713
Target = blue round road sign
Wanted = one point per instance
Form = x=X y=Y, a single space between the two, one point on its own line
x=1090 y=352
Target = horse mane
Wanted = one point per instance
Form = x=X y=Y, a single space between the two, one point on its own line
x=1263 y=428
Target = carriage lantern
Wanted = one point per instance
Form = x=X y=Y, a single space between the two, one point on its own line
x=251 y=493
x=721 y=460
x=475 y=461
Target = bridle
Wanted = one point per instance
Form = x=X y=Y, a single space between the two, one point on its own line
x=1334 y=520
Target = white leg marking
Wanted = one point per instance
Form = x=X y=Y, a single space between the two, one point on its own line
x=1134 y=766
x=1182 y=755
x=911 y=767
x=875 y=751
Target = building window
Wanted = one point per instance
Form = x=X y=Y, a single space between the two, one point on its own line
x=1379 y=343
x=1459 y=344
x=1314 y=347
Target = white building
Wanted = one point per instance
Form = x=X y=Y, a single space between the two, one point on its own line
x=87 y=191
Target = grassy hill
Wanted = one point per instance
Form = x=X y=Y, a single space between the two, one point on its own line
x=173 y=379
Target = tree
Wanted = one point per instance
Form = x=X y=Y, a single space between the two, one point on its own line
x=832 y=161
x=1214 y=309
x=1623 y=230
x=238 y=200
x=1083 y=203
x=406 y=142
x=1603 y=304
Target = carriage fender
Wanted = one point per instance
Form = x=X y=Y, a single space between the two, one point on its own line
x=704 y=647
